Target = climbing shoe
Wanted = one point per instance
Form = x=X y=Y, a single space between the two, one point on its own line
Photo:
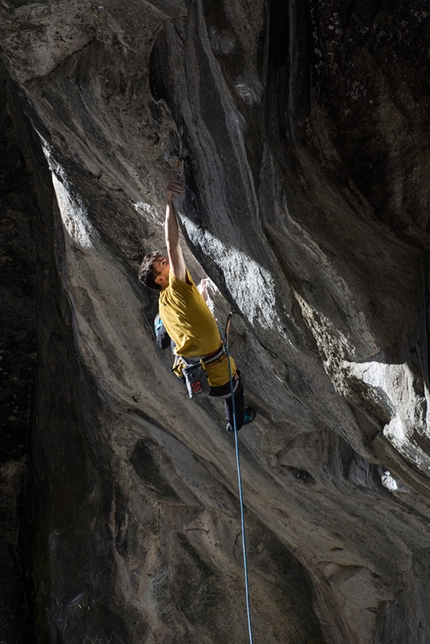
x=248 y=417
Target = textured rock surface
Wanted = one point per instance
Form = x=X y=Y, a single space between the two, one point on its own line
x=305 y=141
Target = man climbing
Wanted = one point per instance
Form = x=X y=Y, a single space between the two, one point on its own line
x=188 y=320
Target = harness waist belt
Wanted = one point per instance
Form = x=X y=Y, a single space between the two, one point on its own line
x=211 y=357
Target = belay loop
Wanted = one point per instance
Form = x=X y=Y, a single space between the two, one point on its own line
x=239 y=478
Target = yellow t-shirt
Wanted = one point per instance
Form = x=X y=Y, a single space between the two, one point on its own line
x=192 y=327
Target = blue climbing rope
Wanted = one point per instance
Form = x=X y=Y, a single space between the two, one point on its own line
x=239 y=480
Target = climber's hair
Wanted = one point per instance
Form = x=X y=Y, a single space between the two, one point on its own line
x=147 y=271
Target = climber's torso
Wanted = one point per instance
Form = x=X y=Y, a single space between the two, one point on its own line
x=192 y=327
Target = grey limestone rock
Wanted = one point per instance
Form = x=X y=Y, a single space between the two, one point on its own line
x=302 y=133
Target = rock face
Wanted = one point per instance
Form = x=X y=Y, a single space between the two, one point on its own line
x=302 y=130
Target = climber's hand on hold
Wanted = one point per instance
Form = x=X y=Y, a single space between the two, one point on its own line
x=174 y=189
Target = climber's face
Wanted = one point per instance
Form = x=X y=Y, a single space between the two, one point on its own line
x=162 y=267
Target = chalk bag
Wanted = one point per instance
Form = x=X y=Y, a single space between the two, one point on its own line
x=196 y=381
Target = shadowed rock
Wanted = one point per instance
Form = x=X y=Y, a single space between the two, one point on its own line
x=302 y=131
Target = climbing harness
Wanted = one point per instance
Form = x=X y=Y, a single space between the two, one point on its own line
x=195 y=373
x=239 y=479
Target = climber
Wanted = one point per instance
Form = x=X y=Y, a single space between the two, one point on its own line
x=188 y=320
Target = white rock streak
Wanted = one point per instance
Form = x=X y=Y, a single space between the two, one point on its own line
x=389 y=482
x=409 y=403
x=74 y=213
x=146 y=210
x=250 y=284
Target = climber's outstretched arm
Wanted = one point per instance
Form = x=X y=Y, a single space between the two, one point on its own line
x=176 y=258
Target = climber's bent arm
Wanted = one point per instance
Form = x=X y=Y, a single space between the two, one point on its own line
x=174 y=250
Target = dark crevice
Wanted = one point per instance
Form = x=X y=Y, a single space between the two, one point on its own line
x=288 y=68
x=19 y=289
